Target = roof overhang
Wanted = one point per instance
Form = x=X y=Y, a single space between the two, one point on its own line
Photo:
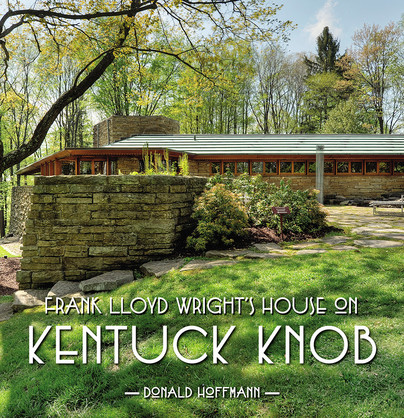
x=232 y=147
x=73 y=153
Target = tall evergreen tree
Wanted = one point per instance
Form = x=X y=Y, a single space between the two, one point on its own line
x=327 y=54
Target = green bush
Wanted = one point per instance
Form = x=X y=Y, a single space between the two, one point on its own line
x=307 y=215
x=259 y=196
x=252 y=190
x=222 y=219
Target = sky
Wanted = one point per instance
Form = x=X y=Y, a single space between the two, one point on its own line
x=343 y=17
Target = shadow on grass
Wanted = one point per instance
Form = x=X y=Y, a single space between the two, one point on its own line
x=309 y=389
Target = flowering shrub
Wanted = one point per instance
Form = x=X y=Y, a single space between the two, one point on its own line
x=222 y=219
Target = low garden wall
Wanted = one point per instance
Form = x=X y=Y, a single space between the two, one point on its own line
x=79 y=227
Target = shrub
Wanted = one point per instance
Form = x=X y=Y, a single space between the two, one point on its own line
x=255 y=193
x=221 y=217
x=258 y=196
x=307 y=215
x=251 y=189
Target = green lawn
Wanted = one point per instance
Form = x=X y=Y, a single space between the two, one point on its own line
x=4 y=252
x=344 y=389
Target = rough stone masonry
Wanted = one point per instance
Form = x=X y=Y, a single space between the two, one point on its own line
x=81 y=226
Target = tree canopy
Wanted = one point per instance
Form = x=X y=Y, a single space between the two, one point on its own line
x=94 y=34
x=216 y=66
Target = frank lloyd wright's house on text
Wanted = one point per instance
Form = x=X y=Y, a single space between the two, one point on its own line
x=365 y=166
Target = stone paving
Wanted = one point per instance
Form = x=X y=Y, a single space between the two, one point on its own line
x=358 y=223
x=67 y=291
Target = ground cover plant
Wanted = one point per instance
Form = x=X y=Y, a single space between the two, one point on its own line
x=374 y=276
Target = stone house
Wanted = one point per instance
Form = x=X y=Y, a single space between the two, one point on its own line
x=364 y=166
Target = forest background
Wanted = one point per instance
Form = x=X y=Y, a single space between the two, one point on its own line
x=216 y=66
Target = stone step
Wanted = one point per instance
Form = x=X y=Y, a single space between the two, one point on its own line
x=107 y=281
x=30 y=298
x=258 y=256
x=66 y=290
x=206 y=264
x=377 y=243
x=311 y=251
x=225 y=253
x=344 y=248
x=159 y=268
x=268 y=246
x=337 y=239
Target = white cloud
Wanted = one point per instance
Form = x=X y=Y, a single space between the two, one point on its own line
x=325 y=17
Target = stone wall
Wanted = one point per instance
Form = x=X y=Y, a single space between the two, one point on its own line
x=199 y=168
x=371 y=187
x=349 y=186
x=79 y=227
x=127 y=165
x=20 y=205
x=117 y=127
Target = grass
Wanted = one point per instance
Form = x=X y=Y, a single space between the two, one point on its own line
x=344 y=389
x=6 y=298
x=4 y=252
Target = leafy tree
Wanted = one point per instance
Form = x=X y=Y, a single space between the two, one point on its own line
x=109 y=28
x=320 y=98
x=377 y=52
x=218 y=105
x=20 y=103
x=136 y=84
x=349 y=117
x=279 y=90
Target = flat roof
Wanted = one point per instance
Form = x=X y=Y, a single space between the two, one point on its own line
x=388 y=146
x=267 y=144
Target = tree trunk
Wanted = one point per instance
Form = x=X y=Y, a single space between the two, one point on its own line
x=76 y=91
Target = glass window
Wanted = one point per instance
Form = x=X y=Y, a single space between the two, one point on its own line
x=258 y=167
x=270 y=167
x=329 y=167
x=69 y=168
x=343 y=167
x=371 y=167
x=384 y=167
x=85 y=167
x=399 y=167
x=215 y=168
x=242 y=167
x=286 y=167
x=299 y=167
x=229 y=167
x=113 y=167
x=100 y=167
x=356 y=167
